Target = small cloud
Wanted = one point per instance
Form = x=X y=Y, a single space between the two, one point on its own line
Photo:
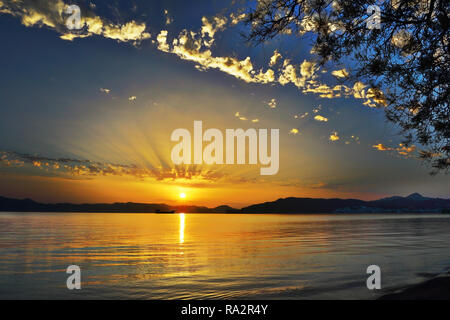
x=294 y=131
x=402 y=149
x=381 y=147
x=355 y=138
x=132 y=98
x=272 y=103
x=342 y=73
x=161 y=38
x=301 y=116
x=317 y=109
x=169 y=19
x=105 y=90
x=334 y=136
x=236 y=18
x=275 y=58
x=255 y=120
x=320 y=118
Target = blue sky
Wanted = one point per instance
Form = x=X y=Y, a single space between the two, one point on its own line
x=114 y=97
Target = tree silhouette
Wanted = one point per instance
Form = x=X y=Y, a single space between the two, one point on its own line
x=405 y=57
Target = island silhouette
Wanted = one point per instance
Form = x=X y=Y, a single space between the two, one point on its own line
x=414 y=203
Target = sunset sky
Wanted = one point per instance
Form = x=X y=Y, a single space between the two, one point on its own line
x=87 y=116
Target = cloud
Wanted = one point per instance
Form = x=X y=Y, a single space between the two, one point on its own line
x=196 y=47
x=191 y=46
x=297 y=75
x=275 y=58
x=130 y=31
x=132 y=98
x=353 y=138
x=236 y=18
x=169 y=20
x=69 y=168
x=381 y=147
x=334 y=137
x=375 y=97
x=105 y=90
x=320 y=118
x=240 y=117
x=210 y=27
x=272 y=103
x=162 y=41
x=402 y=149
x=342 y=73
x=324 y=185
x=294 y=131
x=49 y=13
x=88 y=168
x=301 y=116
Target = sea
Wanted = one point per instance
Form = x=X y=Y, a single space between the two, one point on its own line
x=218 y=256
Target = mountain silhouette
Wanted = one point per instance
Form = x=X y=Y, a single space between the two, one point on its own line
x=412 y=203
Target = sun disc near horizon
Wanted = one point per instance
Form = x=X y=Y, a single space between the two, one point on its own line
x=182 y=195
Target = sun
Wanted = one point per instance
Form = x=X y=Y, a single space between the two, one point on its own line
x=182 y=195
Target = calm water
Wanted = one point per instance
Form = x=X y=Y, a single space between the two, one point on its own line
x=178 y=256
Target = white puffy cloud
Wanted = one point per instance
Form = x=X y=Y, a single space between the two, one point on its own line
x=49 y=13
x=320 y=118
x=210 y=27
x=334 y=137
x=162 y=41
x=196 y=47
x=275 y=58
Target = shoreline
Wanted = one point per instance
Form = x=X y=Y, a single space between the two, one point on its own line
x=437 y=288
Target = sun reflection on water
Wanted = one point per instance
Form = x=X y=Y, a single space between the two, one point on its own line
x=182 y=220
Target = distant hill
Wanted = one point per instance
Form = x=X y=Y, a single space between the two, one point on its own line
x=412 y=203
x=27 y=205
x=302 y=205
